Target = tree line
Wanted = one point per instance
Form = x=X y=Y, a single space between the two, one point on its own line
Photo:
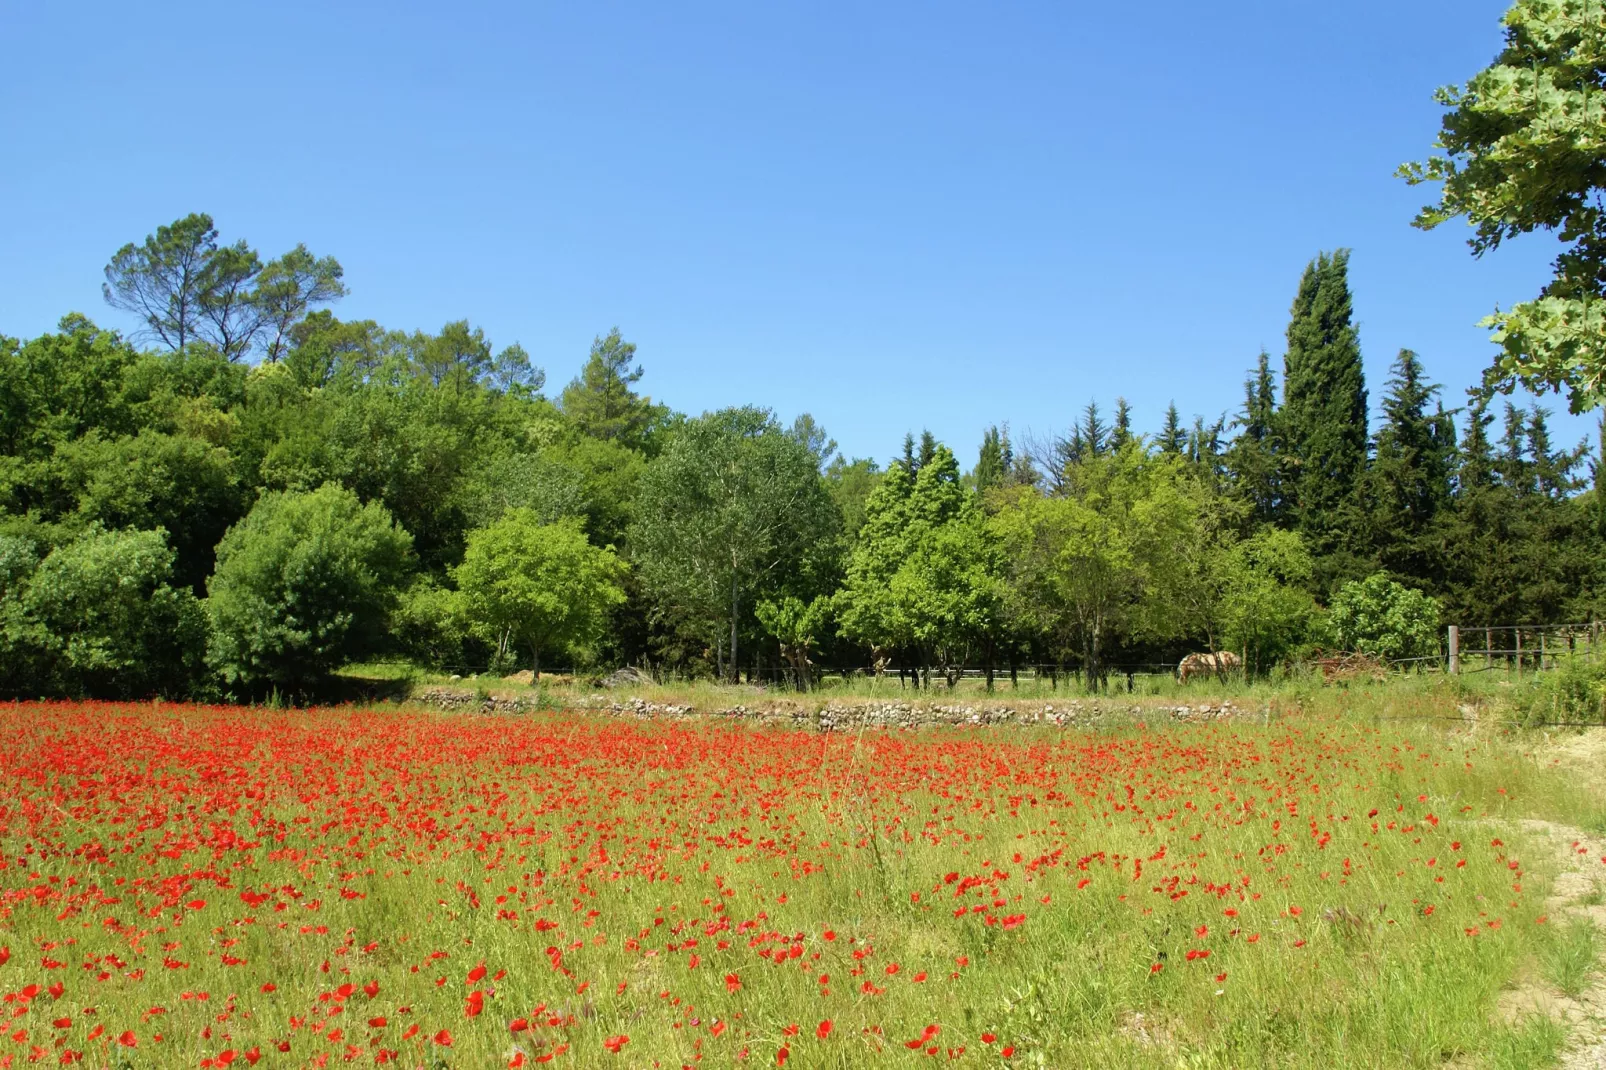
x=250 y=492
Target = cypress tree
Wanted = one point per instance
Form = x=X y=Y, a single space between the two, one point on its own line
x=1323 y=419
x=991 y=466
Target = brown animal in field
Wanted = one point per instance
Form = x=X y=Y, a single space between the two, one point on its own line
x=1220 y=663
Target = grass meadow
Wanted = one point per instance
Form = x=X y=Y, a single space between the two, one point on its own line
x=212 y=886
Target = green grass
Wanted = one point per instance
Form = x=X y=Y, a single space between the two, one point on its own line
x=1571 y=956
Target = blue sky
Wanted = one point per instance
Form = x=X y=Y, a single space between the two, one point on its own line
x=893 y=215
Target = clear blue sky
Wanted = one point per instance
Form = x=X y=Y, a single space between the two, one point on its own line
x=893 y=215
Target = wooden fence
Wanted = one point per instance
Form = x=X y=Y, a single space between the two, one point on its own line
x=1521 y=647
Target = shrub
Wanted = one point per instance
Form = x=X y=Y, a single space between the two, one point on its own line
x=1575 y=691
x=305 y=583
x=1385 y=619
x=99 y=616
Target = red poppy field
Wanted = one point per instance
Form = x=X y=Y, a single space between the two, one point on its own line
x=194 y=886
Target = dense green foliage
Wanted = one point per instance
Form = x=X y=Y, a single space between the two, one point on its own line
x=1523 y=148
x=541 y=585
x=354 y=491
x=304 y=583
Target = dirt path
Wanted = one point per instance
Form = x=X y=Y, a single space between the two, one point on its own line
x=1579 y=892
x=1579 y=885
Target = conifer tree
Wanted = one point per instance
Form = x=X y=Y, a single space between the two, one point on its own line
x=1323 y=419
x=1408 y=483
x=1095 y=433
x=1173 y=438
x=1254 y=459
x=991 y=467
x=1121 y=434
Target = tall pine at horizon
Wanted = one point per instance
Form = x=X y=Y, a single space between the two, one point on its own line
x=1323 y=416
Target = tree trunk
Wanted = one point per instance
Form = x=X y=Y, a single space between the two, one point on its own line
x=535 y=663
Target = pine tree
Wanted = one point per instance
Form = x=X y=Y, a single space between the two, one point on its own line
x=1204 y=445
x=1254 y=458
x=1410 y=472
x=1122 y=434
x=1409 y=481
x=1095 y=433
x=1323 y=419
x=1476 y=470
x=1173 y=439
x=1512 y=463
x=1553 y=469
x=601 y=402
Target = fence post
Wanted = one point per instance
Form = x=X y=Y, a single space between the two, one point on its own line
x=1455 y=650
x=1518 y=633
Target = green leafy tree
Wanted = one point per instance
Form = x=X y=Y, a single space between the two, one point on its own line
x=25 y=645
x=1097 y=566
x=510 y=479
x=431 y=625
x=797 y=627
x=1522 y=147
x=541 y=586
x=1323 y=418
x=808 y=431
x=1267 y=612
x=1386 y=619
x=732 y=511
x=850 y=484
x=305 y=583
x=182 y=485
x=111 y=620
x=922 y=575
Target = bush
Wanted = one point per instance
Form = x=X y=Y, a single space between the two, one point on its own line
x=1575 y=691
x=430 y=626
x=305 y=583
x=1385 y=619
x=99 y=616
